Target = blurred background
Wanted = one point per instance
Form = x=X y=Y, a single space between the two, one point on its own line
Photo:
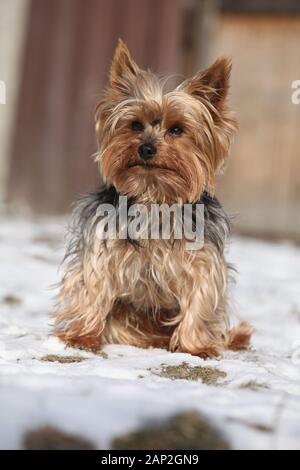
x=55 y=57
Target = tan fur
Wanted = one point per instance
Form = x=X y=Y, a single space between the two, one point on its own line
x=118 y=297
x=155 y=296
x=184 y=167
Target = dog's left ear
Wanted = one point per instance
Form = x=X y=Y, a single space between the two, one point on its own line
x=211 y=84
x=123 y=71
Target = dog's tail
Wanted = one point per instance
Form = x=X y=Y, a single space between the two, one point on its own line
x=239 y=337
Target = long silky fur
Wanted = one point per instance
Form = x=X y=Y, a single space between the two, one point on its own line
x=83 y=223
x=154 y=292
x=154 y=320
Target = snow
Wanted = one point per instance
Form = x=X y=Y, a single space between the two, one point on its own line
x=100 y=398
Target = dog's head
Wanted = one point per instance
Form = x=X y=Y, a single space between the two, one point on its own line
x=167 y=145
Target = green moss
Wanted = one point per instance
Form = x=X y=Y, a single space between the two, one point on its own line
x=62 y=359
x=67 y=359
x=207 y=375
x=186 y=431
x=50 y=438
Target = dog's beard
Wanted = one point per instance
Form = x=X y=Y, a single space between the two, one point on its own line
x=175 y=178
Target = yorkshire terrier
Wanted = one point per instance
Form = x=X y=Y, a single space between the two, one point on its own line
x=164 y=148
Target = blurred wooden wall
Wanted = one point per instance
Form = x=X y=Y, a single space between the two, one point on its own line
x=262 y=181
x=67 y=56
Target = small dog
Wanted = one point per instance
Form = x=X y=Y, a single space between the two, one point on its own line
x=164 y=148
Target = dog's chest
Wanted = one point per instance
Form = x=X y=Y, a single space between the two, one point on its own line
x=147 y=275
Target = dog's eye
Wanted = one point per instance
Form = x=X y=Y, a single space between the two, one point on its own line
x=137 y=126
x=175 y=131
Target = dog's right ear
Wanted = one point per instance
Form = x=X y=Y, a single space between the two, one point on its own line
x=123 y=71
x=212 y=83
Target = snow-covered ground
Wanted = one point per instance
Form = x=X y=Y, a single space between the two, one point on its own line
x=257 y=404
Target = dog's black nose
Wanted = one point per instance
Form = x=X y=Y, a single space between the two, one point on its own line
x=147 y=151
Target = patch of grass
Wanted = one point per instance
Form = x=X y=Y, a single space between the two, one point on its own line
x=207 y=375
x=254 y=385
x=262 y=427
x=186 y=431
x=50 y=438
x=67 y=359
x=11 y=299
x=62 y=359
x=257 y=426
x=102 y=354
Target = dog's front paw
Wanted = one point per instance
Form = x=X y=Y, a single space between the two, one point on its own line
x=205 y=352
x=88 y=343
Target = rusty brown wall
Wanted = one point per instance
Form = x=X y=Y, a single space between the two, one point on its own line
x=67 y=55
x=66 y=61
